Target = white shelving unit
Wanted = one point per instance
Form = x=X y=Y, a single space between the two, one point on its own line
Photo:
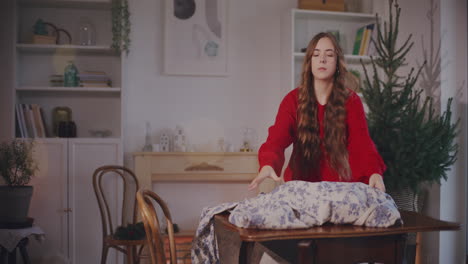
x=63 y=203
x=301 y=25
x=93 y=108
x=80 y=4
x=69 y=90
x=47 y=48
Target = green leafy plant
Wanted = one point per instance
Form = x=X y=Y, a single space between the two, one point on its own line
x=120 y=26
x=16 y=163
x=416 y=142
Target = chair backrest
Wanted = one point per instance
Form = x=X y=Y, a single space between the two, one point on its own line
x=146 y=203
x=127 y=204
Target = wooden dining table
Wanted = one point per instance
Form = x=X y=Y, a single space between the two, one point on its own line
x=328 y=243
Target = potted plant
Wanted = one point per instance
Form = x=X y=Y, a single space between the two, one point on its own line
x=16 y=169
x=416 y=141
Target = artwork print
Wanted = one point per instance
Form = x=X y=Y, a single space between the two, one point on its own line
x=195 y=37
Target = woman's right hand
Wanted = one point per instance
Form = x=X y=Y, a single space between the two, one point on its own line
x=266 y=172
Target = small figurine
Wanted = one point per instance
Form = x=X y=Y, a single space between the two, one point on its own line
x=221 y=145
x=164 y=142
x=179 y=140
x=148 y=146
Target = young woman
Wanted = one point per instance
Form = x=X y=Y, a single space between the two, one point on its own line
x=325 y=121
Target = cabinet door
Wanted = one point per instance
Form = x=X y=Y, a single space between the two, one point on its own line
x=49 y=202
x=86 y=155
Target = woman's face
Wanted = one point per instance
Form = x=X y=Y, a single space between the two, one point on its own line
x=323 y=61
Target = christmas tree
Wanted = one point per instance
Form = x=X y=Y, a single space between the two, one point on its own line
x=416 y=142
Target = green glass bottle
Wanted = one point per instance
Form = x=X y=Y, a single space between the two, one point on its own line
x=70 y=76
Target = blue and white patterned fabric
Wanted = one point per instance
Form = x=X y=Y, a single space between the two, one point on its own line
x=298 y=204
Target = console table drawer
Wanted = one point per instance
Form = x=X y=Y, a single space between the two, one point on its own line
x=205 y=164
x=197 y=166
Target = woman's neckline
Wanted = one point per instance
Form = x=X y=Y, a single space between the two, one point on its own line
x=321 y=105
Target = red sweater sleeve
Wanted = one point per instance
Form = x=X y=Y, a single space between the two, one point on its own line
x=364 y=158
x=280 y=134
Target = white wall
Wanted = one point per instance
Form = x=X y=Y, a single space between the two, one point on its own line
x=206 y=107
x=454 y=77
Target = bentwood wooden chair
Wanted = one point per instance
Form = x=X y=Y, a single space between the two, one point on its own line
x=146 y=202
x=127 y=207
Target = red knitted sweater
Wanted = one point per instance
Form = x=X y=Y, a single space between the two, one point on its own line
x=364 y=160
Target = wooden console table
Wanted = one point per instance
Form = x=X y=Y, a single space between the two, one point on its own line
x=322 y=244
x=222 y=167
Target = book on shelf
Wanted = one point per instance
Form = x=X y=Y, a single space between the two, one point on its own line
x=38 y=122
x=56 y=80
x=365 y=36
x=366 y=40
x=93 y=77
x=95 y=84
x=20 y=123
x=358 y=40
x=94 y=72
x=362 y=39
x=30 y=121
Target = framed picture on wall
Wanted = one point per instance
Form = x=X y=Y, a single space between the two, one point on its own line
x=195 y=37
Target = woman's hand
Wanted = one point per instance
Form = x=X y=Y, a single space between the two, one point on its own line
x=266 y=172
x=377 y=182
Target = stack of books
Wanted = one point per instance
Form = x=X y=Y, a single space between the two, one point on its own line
x=94 y=79
x=362 y=43
x=30 y=121
x=56 y=80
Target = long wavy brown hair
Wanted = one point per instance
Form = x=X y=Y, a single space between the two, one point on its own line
x=309 y=144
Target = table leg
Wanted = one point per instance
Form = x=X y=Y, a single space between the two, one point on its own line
x=3 y=254
x=400 y=245
x=305 y=252
x=246 y=251
x=417 y=258
x=22 y=248
x=12 y=257
x=130 y=258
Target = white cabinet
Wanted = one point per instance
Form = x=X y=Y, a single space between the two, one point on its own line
x=299 y=26
x=49 y=203
x=64 y=204
x=94 y=108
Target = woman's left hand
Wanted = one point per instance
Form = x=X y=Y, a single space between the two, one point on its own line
x=377 y=182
